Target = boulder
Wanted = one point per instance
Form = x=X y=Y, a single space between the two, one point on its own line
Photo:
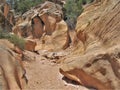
x=59 y=39
x=30 y=45
x=49 y=23
x=43 y=19
x=60 y=36
x=37 y=27
x=45 y=25
x=50 y=13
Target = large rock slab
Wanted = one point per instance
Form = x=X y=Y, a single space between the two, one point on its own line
x=37 y=26
x=97 y=58
x=50 y=13
x=57 y=41
x=11 y=68
x=30 y=45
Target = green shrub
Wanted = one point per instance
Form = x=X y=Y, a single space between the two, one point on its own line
x=23 y=5
x=72 y=9
x=20 y=42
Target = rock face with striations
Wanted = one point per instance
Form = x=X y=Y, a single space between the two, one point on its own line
x=96 y=61
x=44 y=22
x=12 y=71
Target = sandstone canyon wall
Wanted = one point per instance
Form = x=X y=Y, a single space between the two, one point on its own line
x=96 y=61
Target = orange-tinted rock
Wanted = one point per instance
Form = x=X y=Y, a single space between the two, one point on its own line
x=50 y=23
x=6 y=9
x=30 y=45
x=43 y=18
x=12 y=69
x=37 y=27
x=50 y=13
x=84 y=79
x=5 y=42
x=97 y=27
x=59 y=39
x=60 y=36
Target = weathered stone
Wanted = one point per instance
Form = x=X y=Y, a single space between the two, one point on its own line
x=59 y=39
x=60 y=36
x=83 y=78
x=37 y=27
x=23 y=29
x=30 y=45
x=50 y=13
x=97 y=27
x=44 y=19
x=12 y=69
x=49 y=22
x=6 y=43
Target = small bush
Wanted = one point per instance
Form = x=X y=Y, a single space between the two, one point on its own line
x=24 y=5
x=72 y=9
x=20 y=42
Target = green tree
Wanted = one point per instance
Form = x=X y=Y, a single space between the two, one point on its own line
x=72 y=9
x=25 y=5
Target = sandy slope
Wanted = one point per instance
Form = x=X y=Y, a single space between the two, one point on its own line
x=44 y=75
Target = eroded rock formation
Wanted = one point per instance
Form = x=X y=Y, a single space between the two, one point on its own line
x=93 y=60
x=44 y=22
x=98 y=64
x=11 y=68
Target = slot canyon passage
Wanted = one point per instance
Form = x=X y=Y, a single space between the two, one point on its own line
x=39 y=52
